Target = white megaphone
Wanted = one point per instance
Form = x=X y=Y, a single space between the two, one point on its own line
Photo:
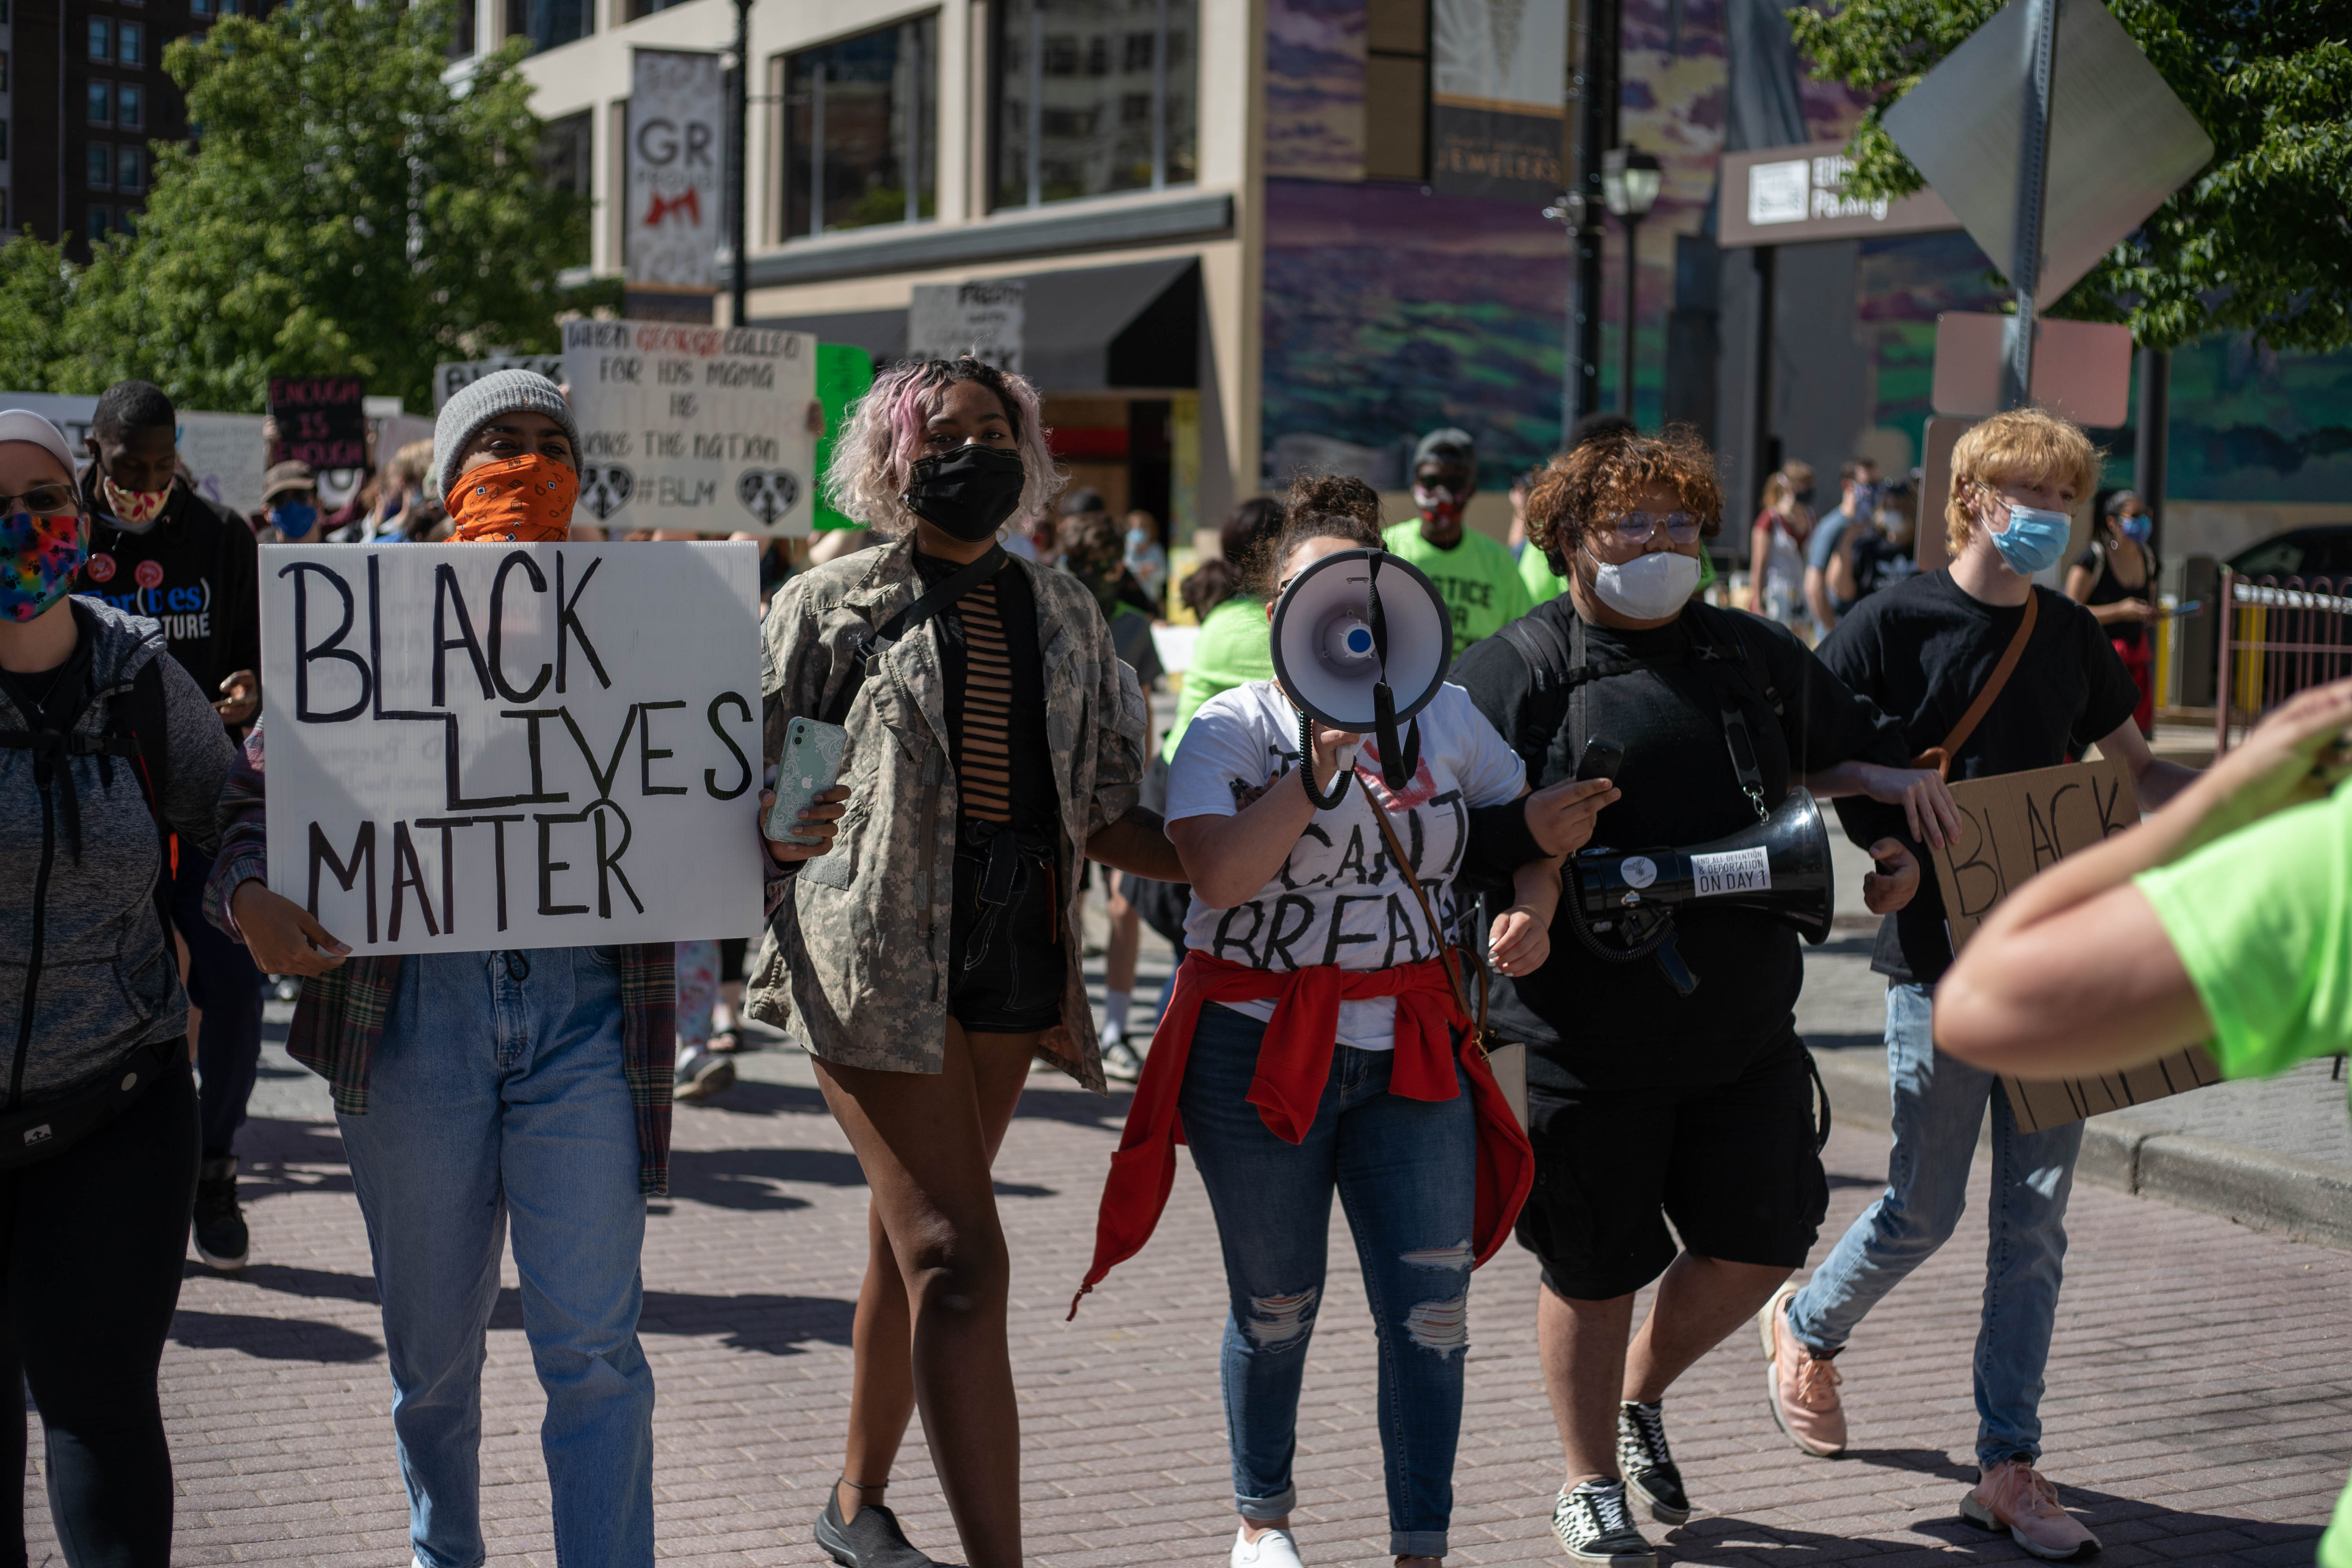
x=1361 y=641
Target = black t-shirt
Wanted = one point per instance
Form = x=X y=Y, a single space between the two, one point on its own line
x=2110 y=589
x=1922 y=650
x=1036 y=799
x=1596 y=1024
x=197 y=571
x=53 y=699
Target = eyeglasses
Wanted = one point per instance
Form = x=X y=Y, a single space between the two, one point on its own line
x=1635 y=529
x=48 y=500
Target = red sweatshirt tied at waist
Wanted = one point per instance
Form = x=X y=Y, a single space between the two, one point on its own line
x=1294 y=1064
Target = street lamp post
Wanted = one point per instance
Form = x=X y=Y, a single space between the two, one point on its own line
x=737 y=228
x=1630 y=179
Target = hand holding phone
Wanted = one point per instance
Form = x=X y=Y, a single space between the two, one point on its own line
x=1603 y=759
x=810 y=766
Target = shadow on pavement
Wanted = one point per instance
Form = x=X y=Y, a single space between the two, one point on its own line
x=773 y=1324
x=272 y=1339
x=2170 y=1535
x=748 y=1178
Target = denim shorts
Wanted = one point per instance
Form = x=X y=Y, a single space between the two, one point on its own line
x=1006 y=966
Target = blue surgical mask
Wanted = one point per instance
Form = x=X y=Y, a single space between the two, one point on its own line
x=2136 y=529
x=2034 y=539
x=294 y=519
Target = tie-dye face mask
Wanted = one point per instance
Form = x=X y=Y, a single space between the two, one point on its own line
x=39 y=553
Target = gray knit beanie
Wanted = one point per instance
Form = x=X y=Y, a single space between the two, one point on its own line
x=475 y=405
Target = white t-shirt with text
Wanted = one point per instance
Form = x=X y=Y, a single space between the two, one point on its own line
x=1338 y=900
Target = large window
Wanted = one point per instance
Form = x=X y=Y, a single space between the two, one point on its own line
x=567 y=161
x=860 y=131
x=101 y=103
x=1092 y=97
x=549 y=23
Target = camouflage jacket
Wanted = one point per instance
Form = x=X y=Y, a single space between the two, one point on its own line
x=854 y=963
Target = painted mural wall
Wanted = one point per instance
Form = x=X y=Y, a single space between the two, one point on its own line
x=1392 y=308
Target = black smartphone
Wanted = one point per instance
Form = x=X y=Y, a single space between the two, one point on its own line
x=1600 y=761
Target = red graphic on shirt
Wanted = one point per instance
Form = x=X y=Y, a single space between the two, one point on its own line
x=1417 y=792
x=149 y=574
x=101 y=568
x=662 y=206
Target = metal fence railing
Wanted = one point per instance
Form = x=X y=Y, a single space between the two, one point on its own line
x=2274 y=639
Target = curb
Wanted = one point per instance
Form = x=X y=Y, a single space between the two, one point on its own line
x=2304 y=1200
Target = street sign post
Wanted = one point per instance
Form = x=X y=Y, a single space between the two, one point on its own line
x=2051 y=137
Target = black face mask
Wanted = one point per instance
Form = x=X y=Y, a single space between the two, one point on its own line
x=968 y=493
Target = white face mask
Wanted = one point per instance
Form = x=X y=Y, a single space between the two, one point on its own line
x=1649 y=587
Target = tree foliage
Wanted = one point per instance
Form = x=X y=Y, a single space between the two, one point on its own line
x=341 y=210
x=2259 y=242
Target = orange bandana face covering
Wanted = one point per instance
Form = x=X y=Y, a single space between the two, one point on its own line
x=527 y=500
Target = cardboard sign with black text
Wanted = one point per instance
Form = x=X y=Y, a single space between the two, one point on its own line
x=2012 y=826
x=485 y=746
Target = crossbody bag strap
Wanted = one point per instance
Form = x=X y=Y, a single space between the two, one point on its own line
x=1940 y=757
x=893 y=631
x=1452 y=976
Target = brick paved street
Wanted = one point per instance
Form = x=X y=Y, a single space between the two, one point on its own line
x=2199 y=1411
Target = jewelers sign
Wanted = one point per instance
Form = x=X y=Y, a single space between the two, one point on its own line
x=704 y=428
x=482 y=746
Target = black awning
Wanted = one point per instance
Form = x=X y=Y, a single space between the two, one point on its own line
x=1090 y=329
x=882 y=334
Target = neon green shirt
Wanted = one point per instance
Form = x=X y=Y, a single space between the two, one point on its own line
x=1478 y=577
x=1232 y=650
x=1543 y=585
x=2263 y=921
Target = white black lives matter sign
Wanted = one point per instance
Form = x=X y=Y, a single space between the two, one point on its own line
x=701 y=429
x=482 y=746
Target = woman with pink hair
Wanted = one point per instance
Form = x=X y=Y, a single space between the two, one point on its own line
x=920 y=944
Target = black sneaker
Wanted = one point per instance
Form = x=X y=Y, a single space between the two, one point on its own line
x=1647 y=1464
x=1593 y=1527
x=872 y=1540
x=702 y=1075
x=1120 y=1063
x=221 y=1240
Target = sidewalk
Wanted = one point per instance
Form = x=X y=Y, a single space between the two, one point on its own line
x=2198 y=1411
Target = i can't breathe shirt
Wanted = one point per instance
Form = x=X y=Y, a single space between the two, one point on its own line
x=1338 y=899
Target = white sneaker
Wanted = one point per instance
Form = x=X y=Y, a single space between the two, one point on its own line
x=1272 y=1549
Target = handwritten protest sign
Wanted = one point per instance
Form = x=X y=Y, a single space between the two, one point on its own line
x=321 y=420
x=450 y=375
x=702 y=428
x=2012 y=826
x=479 y=746
x=225 y=453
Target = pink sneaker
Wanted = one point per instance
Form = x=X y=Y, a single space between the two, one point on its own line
x=1802 y=1387
x=2014 y=1497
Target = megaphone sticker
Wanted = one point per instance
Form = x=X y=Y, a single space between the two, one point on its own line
x=1735 y=871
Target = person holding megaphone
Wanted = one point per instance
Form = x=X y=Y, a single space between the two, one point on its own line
x=1320 y=1035
x=1665 y=1079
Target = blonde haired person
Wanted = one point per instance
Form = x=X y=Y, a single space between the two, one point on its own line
x=921 y=950
x=1924 y=650
x=1776 y=550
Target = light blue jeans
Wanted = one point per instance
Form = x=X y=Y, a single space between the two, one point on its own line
x=1406 y=1170
x=1940 y=1107
x=496 y=1096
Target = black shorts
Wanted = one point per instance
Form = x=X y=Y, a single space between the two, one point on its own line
x=1006 y=966
x=1734 y=1165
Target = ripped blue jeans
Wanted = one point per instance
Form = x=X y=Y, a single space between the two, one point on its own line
x=1406 y=1170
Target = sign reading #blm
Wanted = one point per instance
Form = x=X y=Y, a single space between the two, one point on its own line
x=483 y=746
x=2012 y=825
x=708 y=429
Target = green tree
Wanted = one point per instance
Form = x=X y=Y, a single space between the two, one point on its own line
x=2257 y=243
x=342 y=210
x=34 y=291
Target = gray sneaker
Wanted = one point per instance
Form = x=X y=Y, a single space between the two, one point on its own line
x=1593 y=1526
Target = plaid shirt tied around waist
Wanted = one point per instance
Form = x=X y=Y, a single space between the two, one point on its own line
x=340 y=1017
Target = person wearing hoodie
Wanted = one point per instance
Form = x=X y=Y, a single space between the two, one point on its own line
x=476 y=1090
x=108 y=750
x=158 y=549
